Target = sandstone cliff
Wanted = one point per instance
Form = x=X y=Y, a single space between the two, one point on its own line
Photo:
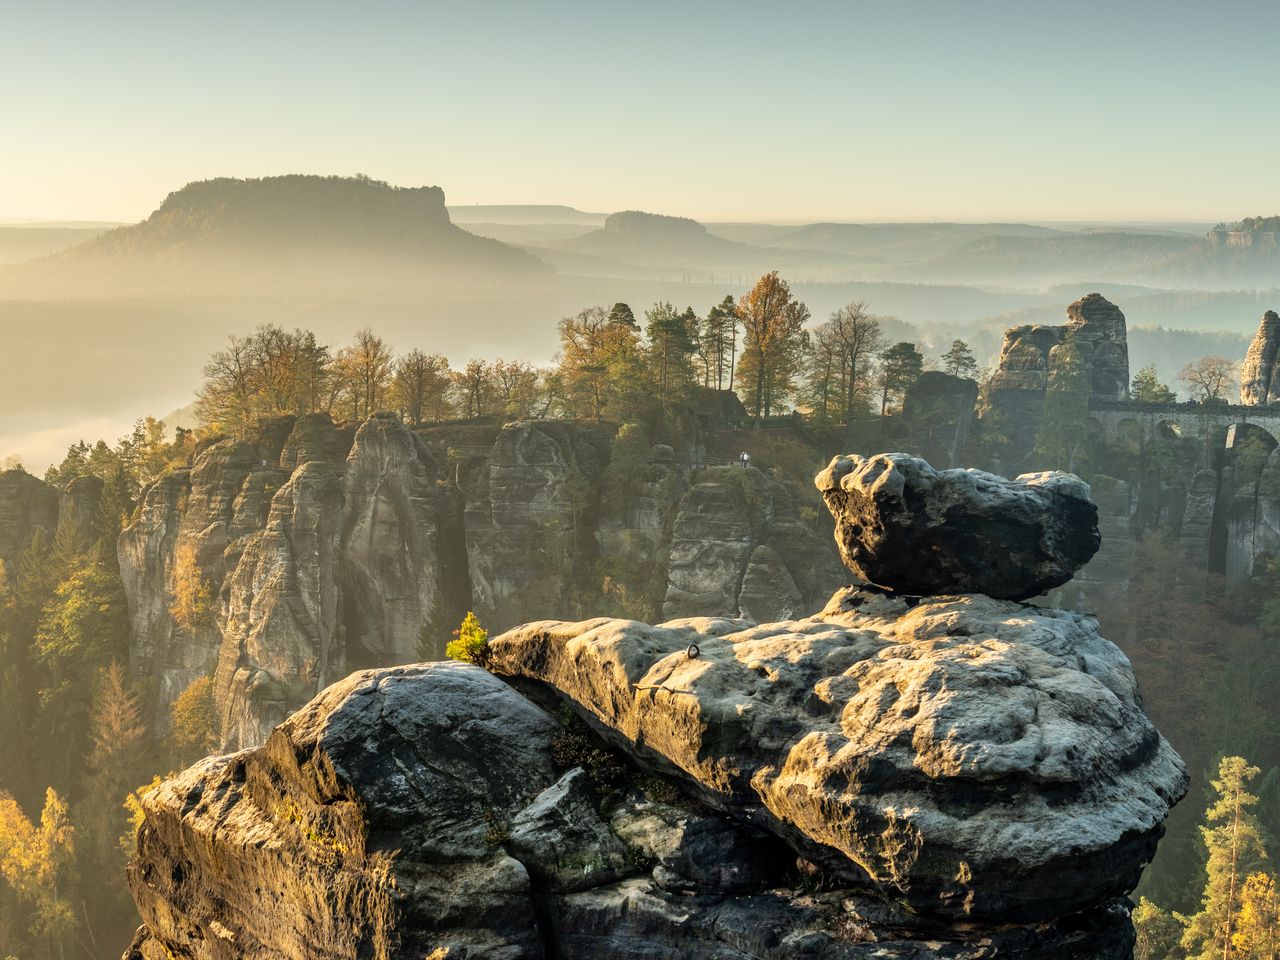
x=326 y=548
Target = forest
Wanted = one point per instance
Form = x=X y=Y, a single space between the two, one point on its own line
x=81 y=748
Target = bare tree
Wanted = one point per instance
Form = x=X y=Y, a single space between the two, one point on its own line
x=858 y=333
x=1208 y=378
x=420 y=387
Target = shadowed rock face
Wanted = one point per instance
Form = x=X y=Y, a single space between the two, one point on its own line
x=427 y=812
x=1259 y=383
x=910 y=529
x=27 y=506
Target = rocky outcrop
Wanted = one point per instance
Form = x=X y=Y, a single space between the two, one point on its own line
x=977 y=758
x=1014 y=395
x=28 y=507
x=433 y=811
x=393 y=514
x=1098 y=328
x=910 y=529
x=1259 y=383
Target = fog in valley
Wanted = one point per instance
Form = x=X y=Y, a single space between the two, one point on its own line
x=146 y=304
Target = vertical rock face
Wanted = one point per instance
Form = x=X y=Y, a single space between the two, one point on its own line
x=528 y=522
x=1259 y=379
x=391 y=542
x=27 y=506
x=282 y=644
x=939 y=409
x=325 y=551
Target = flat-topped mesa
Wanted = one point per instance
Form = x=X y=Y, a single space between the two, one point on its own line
x=909 y=529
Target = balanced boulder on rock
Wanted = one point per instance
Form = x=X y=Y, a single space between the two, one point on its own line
x=910 y=529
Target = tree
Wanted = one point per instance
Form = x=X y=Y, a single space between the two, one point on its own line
x=824 y=365
x=1209 y=378
x=191 y=603
x=718 y=344
x=959 y=360
x=622 y=314
x=1257 y=934
x=117 y=759
x=1157 y=931
x=194 y=723
x=1235 y=848
x=1064 y=425
x=362 y=376
x=773 y=344
x=81 y=629
x=269 y=373
x=858 y=334
x=420 y=387
x=470 y=643
x=600 y=362
x=671 y=344
x=35 y=860
x=900 y=367
x=473 y=387
x=517 y=389
x=1147 y=388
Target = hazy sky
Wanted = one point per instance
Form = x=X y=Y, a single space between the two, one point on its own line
x=798 y=110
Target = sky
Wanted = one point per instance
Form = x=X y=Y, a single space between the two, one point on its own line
x=906 y=110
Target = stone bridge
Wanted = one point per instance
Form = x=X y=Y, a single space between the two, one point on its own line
x=1118 y=421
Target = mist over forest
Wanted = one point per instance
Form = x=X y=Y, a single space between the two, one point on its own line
x=333 y=254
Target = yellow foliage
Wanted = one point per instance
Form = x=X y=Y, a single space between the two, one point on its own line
x=192 y=602
x=1255 y=936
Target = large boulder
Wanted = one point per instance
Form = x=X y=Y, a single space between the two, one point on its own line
x=434 y=812
x=910 y=529
x=973 y=757
x=1259 y=384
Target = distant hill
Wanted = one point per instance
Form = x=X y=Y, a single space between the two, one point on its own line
x=655 y=240
x=528 y=214
x=280 y=234
x=27 y=241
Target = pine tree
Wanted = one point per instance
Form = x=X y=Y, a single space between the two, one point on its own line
x=1147 y=388
x=1157 y=931
x=900 y=367
x=959 y=360
x=1235 y=847
x=117 y=760
x=470 y=643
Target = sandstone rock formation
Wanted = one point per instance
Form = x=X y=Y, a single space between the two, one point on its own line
x=330 y=547
x=961 y=776
x=1259 y=382
x=974 y=757
x=910 y=529
x=1015 y=391
x=433 y=811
